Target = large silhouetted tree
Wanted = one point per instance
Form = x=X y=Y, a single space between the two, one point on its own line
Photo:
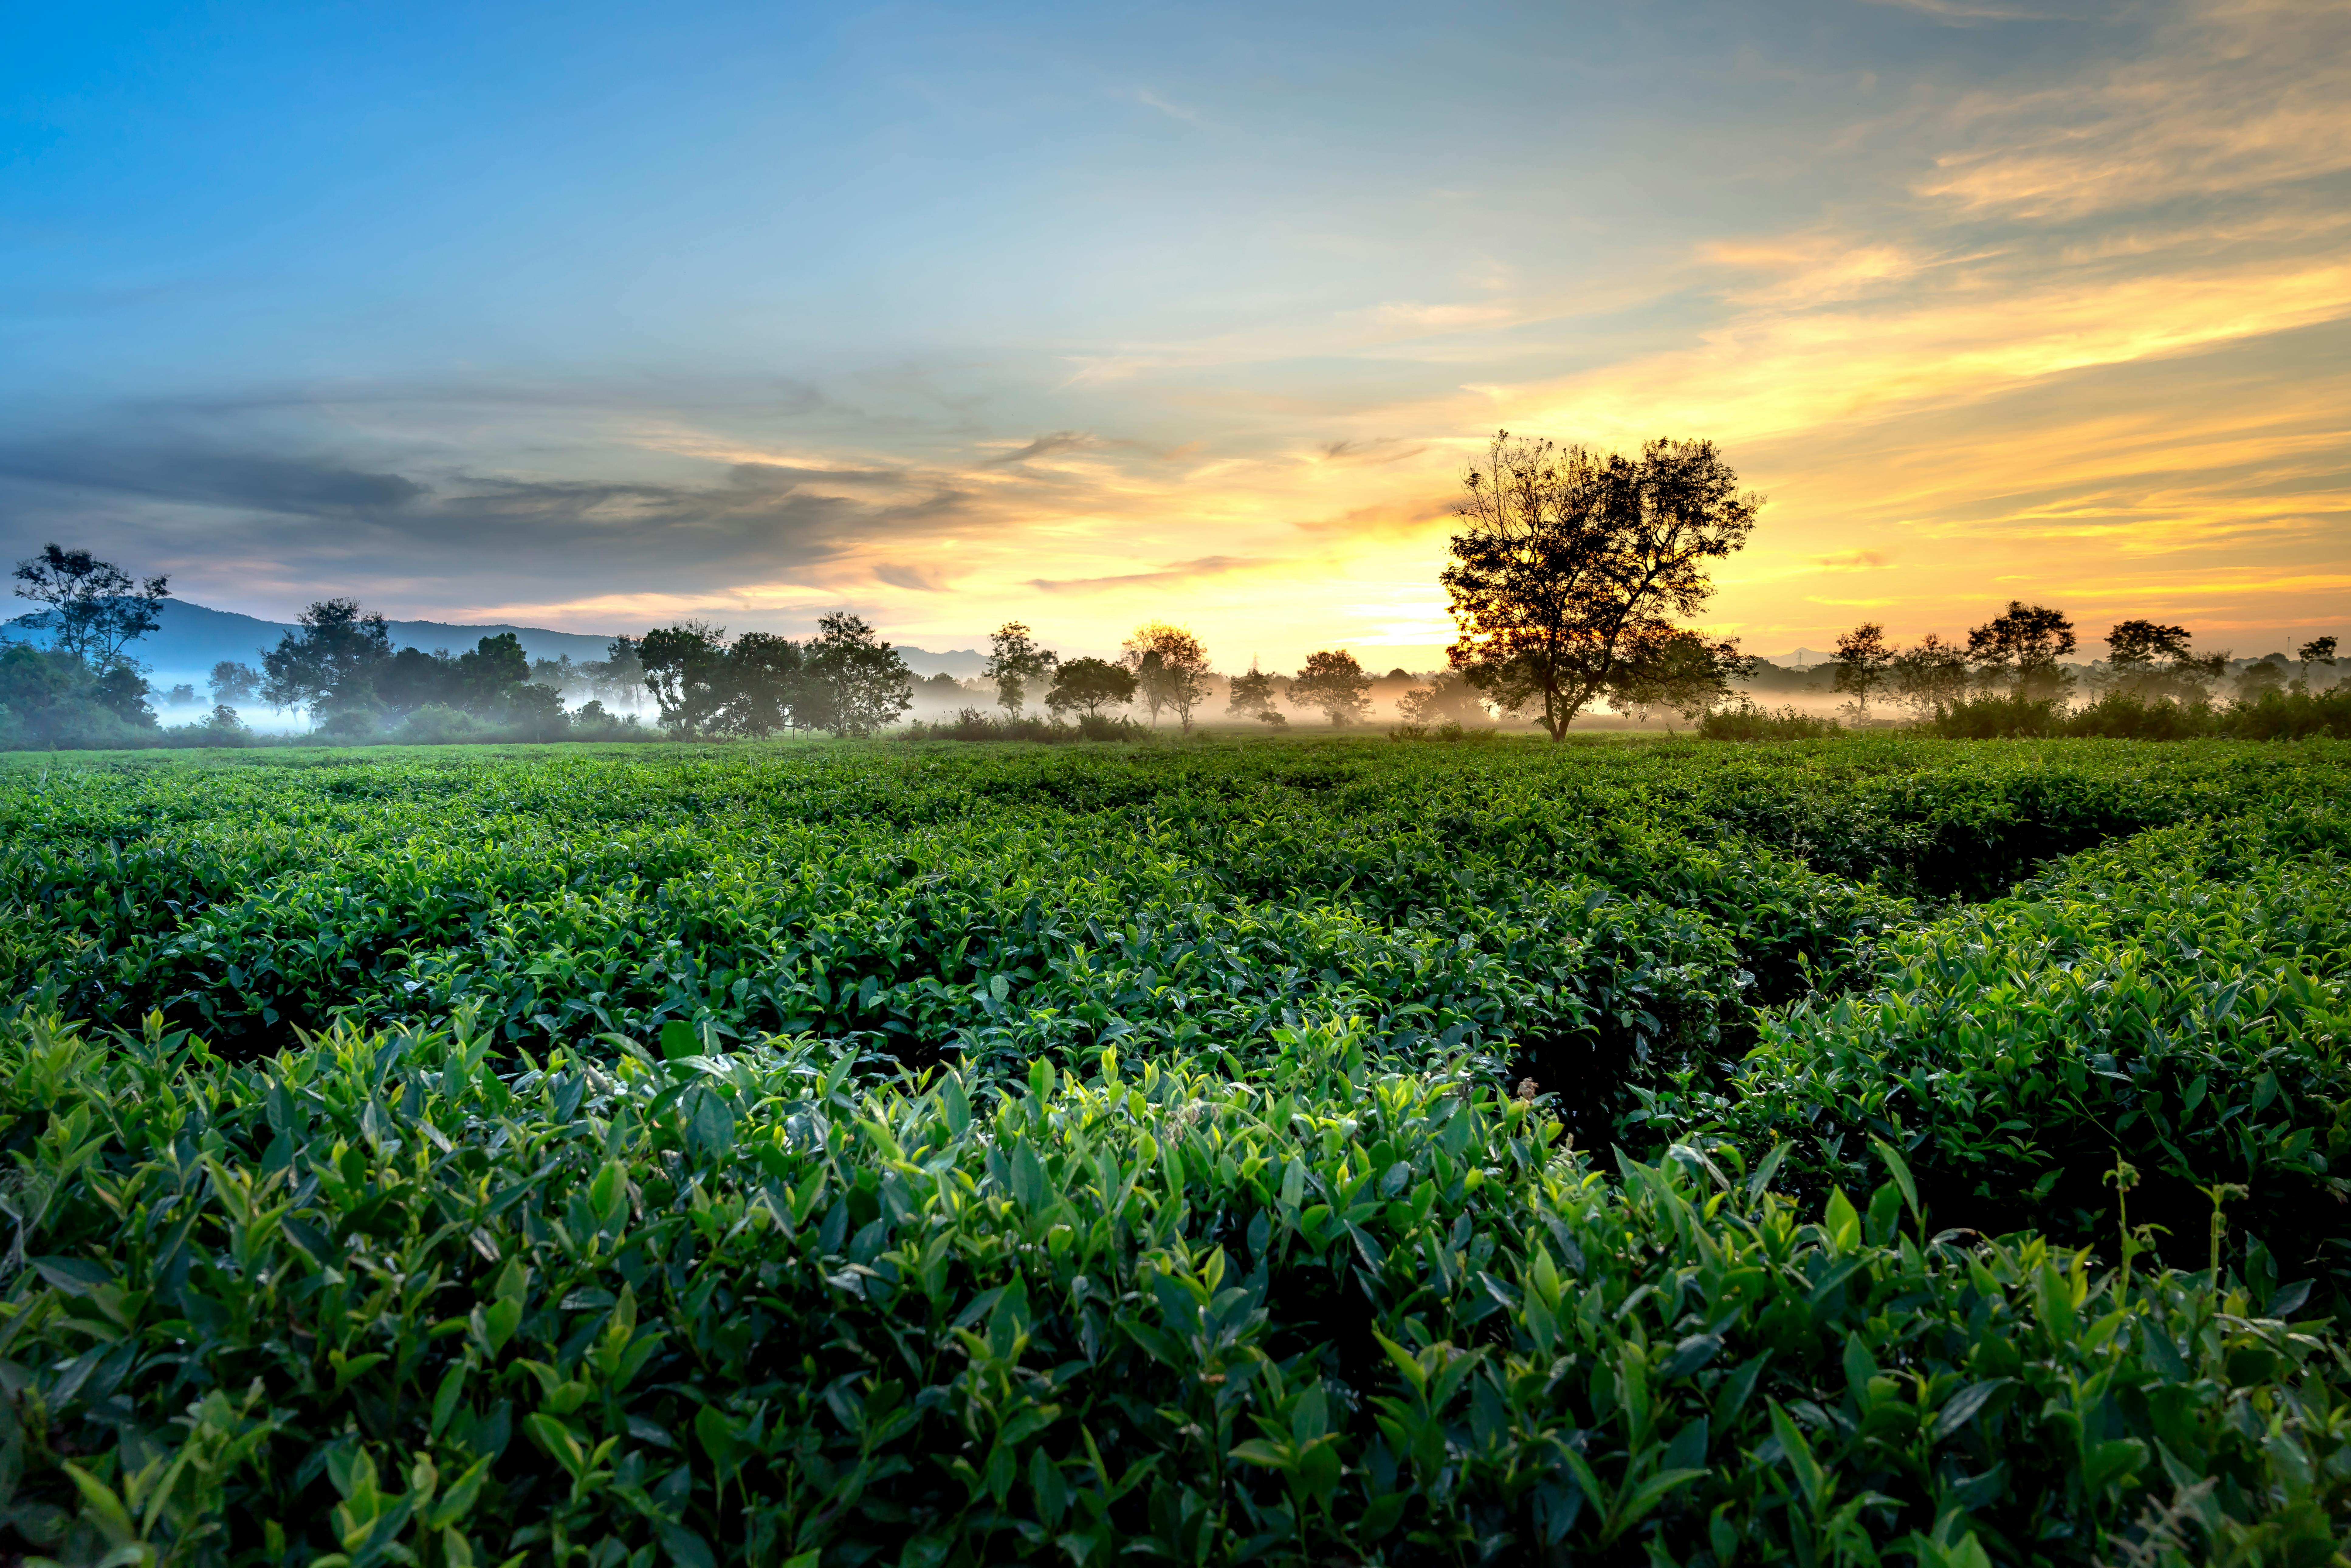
x=685 y=671
x=764 y=686
x=2149 y=659
x=1570 y=561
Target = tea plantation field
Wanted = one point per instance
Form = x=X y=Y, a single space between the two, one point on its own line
x=1336 y=1152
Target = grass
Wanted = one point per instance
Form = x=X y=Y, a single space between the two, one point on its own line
x=1295 y=1150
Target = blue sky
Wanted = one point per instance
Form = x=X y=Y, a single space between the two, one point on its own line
x=592 y=317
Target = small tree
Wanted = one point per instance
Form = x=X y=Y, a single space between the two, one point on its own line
x=1170 y=669
x=1932 y=675
x=1251 y=695
x=1334 y=682
x=860 y=680
x=1090 y=685
x=685 y=671
x=95 y=608
x=329 y=664
x=2258 y=680
x=232 y=682
x=493 y=672
x=1570 y=561
x=1014 y=660
x=2317 y=650
x=2022 y=644
x=620 y=675
x=2151 y=660
x=763 y=685
x=1448 y=698
x=1865 y=662
x=560 y=674
x=1680 y=670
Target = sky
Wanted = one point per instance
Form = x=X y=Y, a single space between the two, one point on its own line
x=595 y=317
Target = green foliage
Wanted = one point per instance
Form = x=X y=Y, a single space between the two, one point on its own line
x=376 y=1297
x=1998 y=716
x=2272 y=715
x=2183 y=997
x=54 y=698
x=1748 y=722
x=829 y=1154
x=977 y=724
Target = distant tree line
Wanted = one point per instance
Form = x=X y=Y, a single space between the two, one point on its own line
x=845 y=680
x=1571 y=581
x=2017 y=658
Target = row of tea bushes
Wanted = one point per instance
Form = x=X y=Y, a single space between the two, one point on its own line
x=2181 y=1000
x=378 y=1300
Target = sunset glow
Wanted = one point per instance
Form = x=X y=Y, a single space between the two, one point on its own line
x=1081 y=318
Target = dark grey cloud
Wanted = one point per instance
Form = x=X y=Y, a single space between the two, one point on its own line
x=1175 y=572
x=1382 y=449
x=1045 y=446
x=339 y=521
x=258 y=482
x=914 y=576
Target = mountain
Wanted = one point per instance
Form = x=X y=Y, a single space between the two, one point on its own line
x=961 y=663
x=192 y=638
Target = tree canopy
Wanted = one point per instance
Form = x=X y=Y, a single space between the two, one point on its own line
x=2149 y=659
x=1865 y=662
x=861 y=681
x=95 y=608
x=1090 y=685
x=328 y=663
x=1171 y=669
x=1013 y=662
x=1335 y=682
x=1251 y=695
x=2021 y=646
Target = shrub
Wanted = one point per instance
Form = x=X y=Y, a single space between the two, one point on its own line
x=1748 y=722
x=1111 y=726
x=2290 y=716
x=978 y=723
x=2180 y=1000
x=437 y=724
x=1998 y=717
x=2130 y=715
x=351 y=724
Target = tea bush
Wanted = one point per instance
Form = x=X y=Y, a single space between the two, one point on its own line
x=2184 y=997
x=375 y=1298
x=1286 y=1152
